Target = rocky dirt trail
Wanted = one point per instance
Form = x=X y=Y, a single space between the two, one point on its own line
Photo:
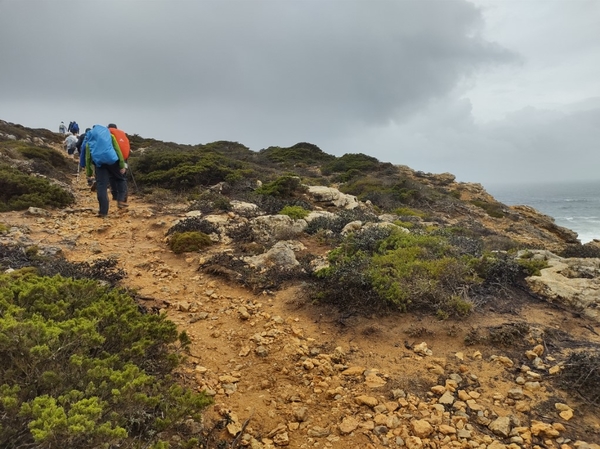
x=292 y=374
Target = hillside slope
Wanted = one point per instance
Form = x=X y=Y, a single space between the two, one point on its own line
x=305 y=374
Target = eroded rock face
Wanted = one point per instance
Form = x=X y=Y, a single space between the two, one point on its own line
x=546 y=223
x=572 y=281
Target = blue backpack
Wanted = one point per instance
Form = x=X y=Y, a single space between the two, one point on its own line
x=99 y=139
x=75 y=128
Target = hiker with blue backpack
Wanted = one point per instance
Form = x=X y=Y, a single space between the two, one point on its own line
x=103 y=154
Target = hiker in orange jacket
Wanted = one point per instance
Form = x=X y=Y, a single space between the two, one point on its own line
x=123 y=142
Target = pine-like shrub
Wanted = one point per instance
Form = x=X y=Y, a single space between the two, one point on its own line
x=19 y=191
x=83 y=367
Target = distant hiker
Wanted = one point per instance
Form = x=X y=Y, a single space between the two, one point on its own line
x=62 y=129
x=102 y=152
x=73 y=127
x=79 y=144
x=90 y=179
x=70 y=143
x=123 y=142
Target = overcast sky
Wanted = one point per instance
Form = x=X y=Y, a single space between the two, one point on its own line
x=490 y=90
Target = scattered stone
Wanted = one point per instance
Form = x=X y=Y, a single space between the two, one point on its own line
x=516 y=393
x=300 y=414
x=500 y=426
x=369 y=401
x=422 y=349
x=281 y=439
x=413 y=442
x=421 y=428
x=446 y=429
x=446 y=399
x=261 y=351
x=354 y=371
x=318 y=432
x=348 y=425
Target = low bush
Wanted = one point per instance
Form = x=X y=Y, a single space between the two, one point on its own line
x=301 y=153
x=209 y=202
x=50 y=155
x=360 y=162
x=193 y=224
x=581 y=375
x=183 y=169
x=398 y=270
x=532 y=267
x=509 y=335
x=295 y=212
x=20 y=191
x=284 y=186
x=46 y=262
x=82 y=367
x=187 y=242
x=409 y=212
x=590 y=250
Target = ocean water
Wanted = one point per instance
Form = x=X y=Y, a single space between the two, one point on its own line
x=574 y=205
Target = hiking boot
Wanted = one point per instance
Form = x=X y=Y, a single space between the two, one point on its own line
x=102 y=215
x=93 y=186
x=122 y=204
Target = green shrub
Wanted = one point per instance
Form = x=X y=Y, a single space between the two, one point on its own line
x=359 y=162
x=82 y=367
x=20 y=191
x=398 y=270
x=208 y=202
x=187 y=242
x=388 y=193
x=409 y=212
x=184 y=169
x=295 y=212
x=284 y=186
x=532 y=267
x=301 y=153
x=55 y=158
x=3 y=228
x=193 y=224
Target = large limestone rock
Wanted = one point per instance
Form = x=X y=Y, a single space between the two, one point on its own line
x=279 y=227
x=280 y=255
x=245 y=209
x=332 y=197
x=570 y=281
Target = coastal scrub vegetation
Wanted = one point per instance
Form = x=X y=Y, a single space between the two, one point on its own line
x=382 y=268
x=303 y=153
x=83 y=367
x=183 y=169
x=20 y=191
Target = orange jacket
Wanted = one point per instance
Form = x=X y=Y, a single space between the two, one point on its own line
x=122 y=140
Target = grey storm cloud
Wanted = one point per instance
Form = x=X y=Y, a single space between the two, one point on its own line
x=489 y=90
x=326 y=63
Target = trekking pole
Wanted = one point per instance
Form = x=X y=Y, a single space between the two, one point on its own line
x=133 y=179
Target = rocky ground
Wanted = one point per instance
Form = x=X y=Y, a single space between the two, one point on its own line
x=288 y=373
